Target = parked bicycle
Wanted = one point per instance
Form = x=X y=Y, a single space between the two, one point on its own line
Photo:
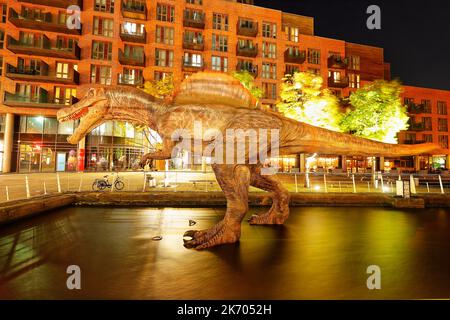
x=102 y=184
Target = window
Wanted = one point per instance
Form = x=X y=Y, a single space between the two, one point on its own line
x=159 y=75
x=165 y=12
x=354 y=80
x=62 y=17
x=63 y=95
x=247 y=65
x=65 y=43
x=442 y=107
x=136 y=52
x=426 y=106
x=292 y=33
x=314 y=71
x=442 y=125
x=269 y=30
x=313 y=56
x=197 y=2
x=133 y=28
x=2 y=39
x=428 y=138
x=354 y=62
x=219 y=43
x=245 y=44
x=410 y=137
x=131 y=76
x=269 y=70
x=101 y=74
x=219 y=63
x=3 y=8
x=192 y=14
x=335 y=75
x=104 y=6
x=33 y=125
x=220 y=21
x=164 y=35
x=163 y=58
x=408 y=101
x=1 y=65
x=193 y=59
x=101 y=50
x=269 y=50
x=427 y=124
x=291 y=69
x=443 y=141
x=62 y=70
x=246 y=23
x=270 y=91
x=103 y=27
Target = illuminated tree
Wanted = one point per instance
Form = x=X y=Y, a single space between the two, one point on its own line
x=248 y=81
x=160 y=88
x=376 y=112
x=304 y=99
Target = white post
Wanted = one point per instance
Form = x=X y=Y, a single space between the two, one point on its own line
x=27 y=186
x=81 y=183
x=354 y=185
x=412 y=184
x=382 y=183
x=45 y=189
x=145 y=182
x=440 y=183
x=428 y=188
x=59 y=182
x=7 y=193
x=296 y=185
x=325 y=182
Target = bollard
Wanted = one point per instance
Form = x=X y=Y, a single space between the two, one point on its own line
x=354 y=184
x=45 y=189
x=27 y=186
x=81 y=183
x=440 y=183
x=428 y=188
x=412 y=184
x=296 y=185
x=325 y=182
x=7 y=193
x=59 y=182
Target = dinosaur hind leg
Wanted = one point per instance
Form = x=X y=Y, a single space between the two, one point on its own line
x=234 y=181
x=279 y=212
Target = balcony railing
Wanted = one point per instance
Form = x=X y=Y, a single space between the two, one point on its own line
x=247 y=51
x=125 y=79
x=292 y=56
x=197 y=21
x=253 y=70
x=416 y=126
x=341 y=83
x=413 y=141
x=43 y=48
x=137 y=37
x=42 y=100
x=247 y=30
x=191 y=66
x=193 y=45
x=134 y=10
x=418 y=108
x=131 y=60
x=337 y=62
x=56 y=3
x=41 y=75
x=43 y=22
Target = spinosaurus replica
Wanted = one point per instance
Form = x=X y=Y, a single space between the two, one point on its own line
x=222 y=103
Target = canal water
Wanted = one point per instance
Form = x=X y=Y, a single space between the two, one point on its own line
x=321 y=253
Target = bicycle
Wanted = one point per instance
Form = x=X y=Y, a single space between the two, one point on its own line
x=102 y=184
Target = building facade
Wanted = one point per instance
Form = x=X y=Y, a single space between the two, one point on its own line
x=46 y=63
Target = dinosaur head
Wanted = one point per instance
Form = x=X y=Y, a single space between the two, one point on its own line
x=92 y=110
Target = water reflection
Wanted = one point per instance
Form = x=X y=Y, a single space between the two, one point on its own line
x=319 y=253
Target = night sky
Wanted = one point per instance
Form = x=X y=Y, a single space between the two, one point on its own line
x=414 y=34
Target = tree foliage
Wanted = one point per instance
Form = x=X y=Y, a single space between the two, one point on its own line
x=376 y=112
x=160 y=88
x=248 y=81
x=303 y=98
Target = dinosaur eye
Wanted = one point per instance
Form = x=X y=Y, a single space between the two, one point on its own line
x=91 y=93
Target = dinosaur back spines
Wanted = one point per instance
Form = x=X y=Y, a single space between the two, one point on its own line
x=214 y=89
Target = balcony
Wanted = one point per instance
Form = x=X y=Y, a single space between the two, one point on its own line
x=128 y=80
x=291 y=56
x=247 y=51
x=253 y=70
x=43 y=48
x=247 y=30
x=137 y=37
x=56 y=3
x=417 y=126
x=44 y=22
x=131 y=60
x=189 y=44
x=134 y=10
x=41 y=75
x=335 y=83
x=418 y=108
x=42 y=100
x=337 y=62
x=191 y=66
x=194 y=21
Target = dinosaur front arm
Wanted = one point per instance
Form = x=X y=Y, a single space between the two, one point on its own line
x=165 y=153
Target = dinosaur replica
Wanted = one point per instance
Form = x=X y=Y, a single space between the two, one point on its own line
x=222 y=103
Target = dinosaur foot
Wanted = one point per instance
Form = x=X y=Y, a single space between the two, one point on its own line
x=221 y=233
x=268 y=218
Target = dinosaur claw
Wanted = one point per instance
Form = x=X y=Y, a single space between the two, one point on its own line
x=202 y=239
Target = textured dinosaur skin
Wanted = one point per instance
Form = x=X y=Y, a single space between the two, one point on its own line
x=221 y=103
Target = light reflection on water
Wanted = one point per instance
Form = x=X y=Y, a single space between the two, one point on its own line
x=321 y=253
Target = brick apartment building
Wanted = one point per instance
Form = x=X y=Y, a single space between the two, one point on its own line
x=45 y=65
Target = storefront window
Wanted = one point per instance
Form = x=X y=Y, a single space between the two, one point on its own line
x=34 y=124
x=50 y=126
x=66 y=128
x=104 y=129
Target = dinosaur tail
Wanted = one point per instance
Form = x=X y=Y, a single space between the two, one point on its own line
x=304 y=138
